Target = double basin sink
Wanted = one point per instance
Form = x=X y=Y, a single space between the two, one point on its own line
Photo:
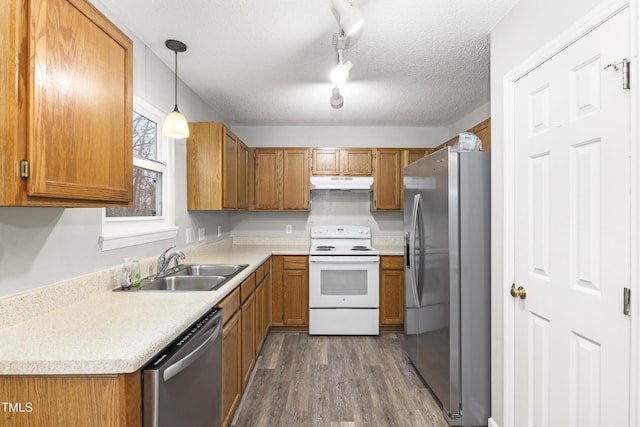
x=195 y=277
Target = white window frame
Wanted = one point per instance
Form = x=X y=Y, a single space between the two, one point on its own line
x=121 y=232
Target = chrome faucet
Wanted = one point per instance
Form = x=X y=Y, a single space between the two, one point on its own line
x=164 y=260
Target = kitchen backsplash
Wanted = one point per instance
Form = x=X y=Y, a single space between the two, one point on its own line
x=327 y=207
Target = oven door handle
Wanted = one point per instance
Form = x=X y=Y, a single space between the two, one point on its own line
x=188 y=360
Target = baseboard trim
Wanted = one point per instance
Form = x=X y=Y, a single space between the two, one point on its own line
x=493 y=423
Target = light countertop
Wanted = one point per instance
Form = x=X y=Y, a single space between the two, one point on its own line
x=119 y=332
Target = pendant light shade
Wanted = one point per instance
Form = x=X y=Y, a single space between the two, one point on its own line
x=175 y=124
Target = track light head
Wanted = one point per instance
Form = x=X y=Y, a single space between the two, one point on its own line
x=349 y=18
x=336 y=100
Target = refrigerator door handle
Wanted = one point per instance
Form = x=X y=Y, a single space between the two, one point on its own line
x=412 y=248
x=421 y=252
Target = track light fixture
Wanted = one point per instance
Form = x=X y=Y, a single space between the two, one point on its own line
x=340 y=72
x=175 y=124
x=336 y=100
x=350 y=18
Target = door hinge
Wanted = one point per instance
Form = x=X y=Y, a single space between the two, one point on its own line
x=626 y=309
x=24 y=168
x=624 y=66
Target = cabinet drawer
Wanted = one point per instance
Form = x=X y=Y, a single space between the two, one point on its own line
x=230 y=305
x=295 y=262
x=247 y=287
x=392 y=262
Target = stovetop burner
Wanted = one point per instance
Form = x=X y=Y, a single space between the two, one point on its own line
x=341 y=240
x=325 y=248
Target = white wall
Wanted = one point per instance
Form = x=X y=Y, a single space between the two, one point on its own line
x=478 y=115
x=41 y=246
x=327 y=207
x=528 y=26
x=341 y=136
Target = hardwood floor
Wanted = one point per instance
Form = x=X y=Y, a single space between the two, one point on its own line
x=334 y=381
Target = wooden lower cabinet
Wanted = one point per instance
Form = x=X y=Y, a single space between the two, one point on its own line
x=231 y=366
x=391 y=292
x=72 y=400
x=290 y=292
x=247 y=318
x=248 y=337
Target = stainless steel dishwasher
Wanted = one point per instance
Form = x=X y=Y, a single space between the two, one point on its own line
x=182 y=385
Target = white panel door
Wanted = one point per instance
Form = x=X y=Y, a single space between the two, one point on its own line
x=572 y=244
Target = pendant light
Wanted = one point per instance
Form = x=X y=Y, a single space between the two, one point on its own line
x=175 y=124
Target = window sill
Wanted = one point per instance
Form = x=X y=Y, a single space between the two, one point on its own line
x=116 y=241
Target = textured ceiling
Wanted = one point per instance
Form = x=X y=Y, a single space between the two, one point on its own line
x=267 y=62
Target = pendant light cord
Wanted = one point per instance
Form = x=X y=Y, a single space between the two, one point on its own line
x=175 y=85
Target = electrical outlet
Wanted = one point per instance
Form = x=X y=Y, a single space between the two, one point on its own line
x=188 y=235
x=219 y=230
x=288 y=229
x=200 y=233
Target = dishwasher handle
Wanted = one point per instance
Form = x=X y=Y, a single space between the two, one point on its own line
x=190 y=358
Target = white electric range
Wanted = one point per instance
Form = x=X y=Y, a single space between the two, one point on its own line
x=344 y=295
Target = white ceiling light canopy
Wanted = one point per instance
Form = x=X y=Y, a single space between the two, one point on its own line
x=350 y=18
x=175 y=124
x=340 y=73
x=336 y=100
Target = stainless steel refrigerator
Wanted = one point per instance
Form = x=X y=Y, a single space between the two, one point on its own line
x=447 y=275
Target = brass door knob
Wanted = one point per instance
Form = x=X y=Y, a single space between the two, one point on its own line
x=520 y=292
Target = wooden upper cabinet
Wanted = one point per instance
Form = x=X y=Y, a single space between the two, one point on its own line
x=242 y=174
x=387 y=179
x=325 y=161
x=410 y=155
x=356 y=161
x=267 y=172
x=217 y=168
x=482 y=130
x=295 y=188
x=281 y=179
x=66 y=106
x=343 y=161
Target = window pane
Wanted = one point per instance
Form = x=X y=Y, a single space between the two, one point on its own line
x=147 y=195
x=145 y=137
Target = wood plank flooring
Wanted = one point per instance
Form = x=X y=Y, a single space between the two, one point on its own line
x=335 y=381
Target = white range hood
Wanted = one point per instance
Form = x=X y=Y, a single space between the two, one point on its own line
x=341 y=183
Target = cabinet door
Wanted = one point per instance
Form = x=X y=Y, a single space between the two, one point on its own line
x=259 y=317
x=248 y=337
x=295 y=187
x=410 y=155
x=325 y=161
x=391 y=291
x=356 y=161
x=387 y=183
x=277 y=290
x=229 y=170
x=242 y=177
x=267 y=178
x=296 y=291
x=80 y=95
x=231 y=366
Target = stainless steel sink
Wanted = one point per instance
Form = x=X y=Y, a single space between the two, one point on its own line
x=192 y=277
x=209 y=269
x=183 y=283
